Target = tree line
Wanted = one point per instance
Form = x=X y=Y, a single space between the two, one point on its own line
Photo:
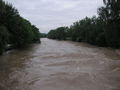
x=103 y=30
x=14 y=29
x=43 y=35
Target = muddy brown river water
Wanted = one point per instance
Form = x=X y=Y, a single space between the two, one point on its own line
x=60 y=65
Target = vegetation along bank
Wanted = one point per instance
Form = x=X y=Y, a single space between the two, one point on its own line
x=103 y=30
x=15 y=30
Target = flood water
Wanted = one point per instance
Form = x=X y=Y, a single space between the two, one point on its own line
x=60 y=65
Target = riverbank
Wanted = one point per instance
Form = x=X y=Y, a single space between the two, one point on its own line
x=11 y=47
x=84 y=42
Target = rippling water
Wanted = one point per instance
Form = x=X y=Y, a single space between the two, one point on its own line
x=60 y=65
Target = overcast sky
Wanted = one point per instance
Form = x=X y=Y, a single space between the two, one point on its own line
x=49 y=14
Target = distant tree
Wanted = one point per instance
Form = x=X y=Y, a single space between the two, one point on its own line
x=89 y=30
x=59 y=33
x=43 y=35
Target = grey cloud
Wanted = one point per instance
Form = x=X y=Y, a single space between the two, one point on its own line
x=49 y=14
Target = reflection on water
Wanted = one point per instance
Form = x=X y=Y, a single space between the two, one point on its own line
x=60 y=65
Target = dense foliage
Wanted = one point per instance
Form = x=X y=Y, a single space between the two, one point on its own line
x=43 y=35
x=110 y=14
x=59 y=33
x=103 y=30
x=14 y=29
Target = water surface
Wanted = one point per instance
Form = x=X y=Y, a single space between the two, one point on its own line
x=60 y=65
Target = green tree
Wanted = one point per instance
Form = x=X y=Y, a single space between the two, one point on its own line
x=4 y=35
x=21 y=31
x=59 y=33
x=111 y=15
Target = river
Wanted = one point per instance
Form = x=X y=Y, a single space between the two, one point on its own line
x=60 y=65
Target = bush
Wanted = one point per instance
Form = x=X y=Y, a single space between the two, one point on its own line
x=4 y=35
